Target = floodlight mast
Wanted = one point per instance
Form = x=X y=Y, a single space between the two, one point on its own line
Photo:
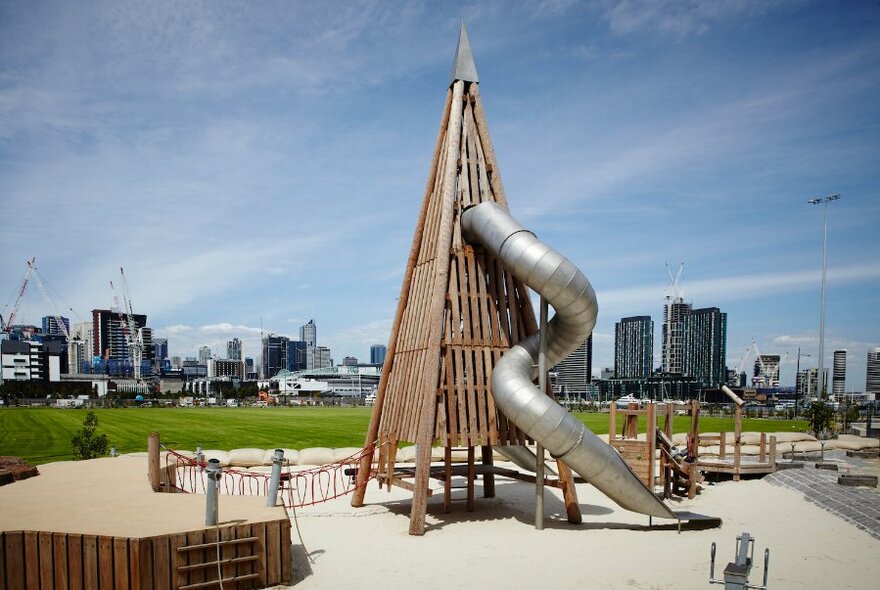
x=821 y=376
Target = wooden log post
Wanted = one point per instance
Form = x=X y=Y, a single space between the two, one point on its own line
x=737 y=444
x=153 y=461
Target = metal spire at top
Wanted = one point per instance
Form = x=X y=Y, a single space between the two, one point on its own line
x=463 y=66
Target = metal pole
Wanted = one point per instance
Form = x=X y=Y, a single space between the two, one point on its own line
x=539 y=448
x=821 y=376
x=214 y=473
x=275 y=479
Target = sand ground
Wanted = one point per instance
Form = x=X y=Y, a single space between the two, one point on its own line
x=496 y=545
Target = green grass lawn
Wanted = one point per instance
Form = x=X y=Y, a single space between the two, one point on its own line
x=42 y=435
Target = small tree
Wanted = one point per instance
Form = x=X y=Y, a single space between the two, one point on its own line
x=820 y=415
x=87 y=444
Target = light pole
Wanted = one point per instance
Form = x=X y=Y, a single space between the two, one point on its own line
x=821 y=376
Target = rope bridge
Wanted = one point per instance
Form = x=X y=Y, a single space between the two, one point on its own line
x=298 y=489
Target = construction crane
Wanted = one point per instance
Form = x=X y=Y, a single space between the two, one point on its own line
x=52 y=307
x=6 y=326
x=134 y=338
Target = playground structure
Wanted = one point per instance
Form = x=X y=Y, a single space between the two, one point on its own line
x=465 y=345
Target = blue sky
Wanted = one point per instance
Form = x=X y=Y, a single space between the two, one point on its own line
x=248 y=160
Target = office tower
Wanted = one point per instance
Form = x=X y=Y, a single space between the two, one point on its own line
x=675 y=313
x=349 y=361
x=838 y=378
x=808 y=382
x=705 y=346
x=309 y=334
x=204 y=355
x=766 y=370
x=297 y=356
x=634 y=347
x=377 y=354
x=574 y=373
x=274 y=355
x=322 y=358
x=51 y=325
x=233 y=349
x=872 y=372
x=249 y=367
x=160 y=348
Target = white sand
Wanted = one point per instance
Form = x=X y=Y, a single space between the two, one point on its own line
x=498 y=546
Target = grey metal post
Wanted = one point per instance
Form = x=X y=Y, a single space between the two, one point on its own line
x=539 y=448
x=200 y=458
x=113 y=452
x=275 y=479
x=211 y=501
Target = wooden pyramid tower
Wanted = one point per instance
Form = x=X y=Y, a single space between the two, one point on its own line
x=459 y=310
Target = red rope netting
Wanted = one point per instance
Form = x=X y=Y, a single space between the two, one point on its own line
x=298 y=487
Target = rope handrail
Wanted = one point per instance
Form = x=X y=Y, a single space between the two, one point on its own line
x=298 y=489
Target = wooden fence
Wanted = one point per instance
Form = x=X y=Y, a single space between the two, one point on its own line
x=254 y=555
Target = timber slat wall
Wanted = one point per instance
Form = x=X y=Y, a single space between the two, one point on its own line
x=484 y=308
x=253 y=555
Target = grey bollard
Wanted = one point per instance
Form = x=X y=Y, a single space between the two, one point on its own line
x=275 y=480
x=113 y=452
x=214 y=474
x=200 y=458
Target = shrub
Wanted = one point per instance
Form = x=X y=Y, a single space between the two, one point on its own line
x=87 y=444
x=820 y=415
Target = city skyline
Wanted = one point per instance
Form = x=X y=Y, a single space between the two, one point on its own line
x=260 y=149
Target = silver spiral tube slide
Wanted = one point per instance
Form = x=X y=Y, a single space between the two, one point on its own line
x=569 y=292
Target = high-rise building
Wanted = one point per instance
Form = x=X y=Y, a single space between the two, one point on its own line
x=309 y=334
x=274 y=355
x=109 y=340
x=377 y=354
x=838 y=378
x=160 y=346
x=297 y=356
x=808 y=382
x=675 y=314
x=233 y=349
x=52 y=327
x=349 y=361
x=574 y=373
x=872 y=372
x=225 y=368
x=322 y=358
x=634 y=347
x=705 y=346
x=766 y=371
x=205 y=355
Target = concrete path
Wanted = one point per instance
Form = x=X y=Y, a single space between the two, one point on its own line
x=859 y=506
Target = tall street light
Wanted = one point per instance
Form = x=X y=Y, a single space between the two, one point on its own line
x=821 y=376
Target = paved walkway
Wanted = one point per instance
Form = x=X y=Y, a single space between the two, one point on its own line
x=859 y=506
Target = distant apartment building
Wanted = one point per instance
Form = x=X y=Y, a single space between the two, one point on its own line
x=160 y=347
x=574 y=373
x=205 y=355
x=233 y=349
x=675 y=314
x=377 y=354
x=872 y=372
x=57 y=326
x=225 y=368
x=838 y=378
x=111 y=333
x=634 y=347
x=705 y=350
x=349 y=361
x=766 y=371
x=807 y=382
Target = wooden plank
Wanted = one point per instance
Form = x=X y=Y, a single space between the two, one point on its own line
x=14 y=558
x=177 y=558
x=105 y=562
x=375 y=417
x=90 y=562
x=59 y=552
x=259 y=530
x=227 y=552
x=488 y=150
x=471 y=476
x=286 y=554
x=161 y=563
x=16 y=562
x=74 y=562
x=47 y=571
x=245 y=549
x=142 y=556
x=195 y=548
x=120 y=563
x=273 y=553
